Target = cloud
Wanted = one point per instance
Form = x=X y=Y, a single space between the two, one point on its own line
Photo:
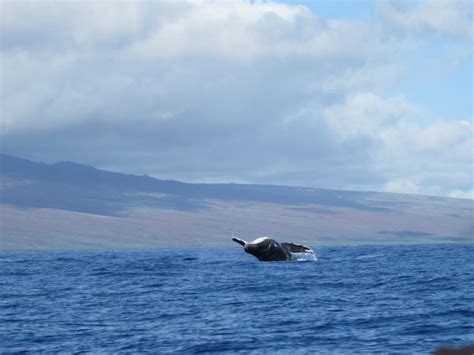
x=436 y=157
x=366 y=113
x=209 y=91
x=452 y=18
x=402 y=185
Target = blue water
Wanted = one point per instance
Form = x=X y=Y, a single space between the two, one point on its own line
x=386 y=299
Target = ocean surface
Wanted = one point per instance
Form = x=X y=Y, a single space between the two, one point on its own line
x=380 y=299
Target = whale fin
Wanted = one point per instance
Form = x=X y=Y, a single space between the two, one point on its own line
x=240 y=241
x=297 y=248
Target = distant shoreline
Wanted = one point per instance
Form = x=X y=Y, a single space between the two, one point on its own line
x=226 y=247
x=69 y=206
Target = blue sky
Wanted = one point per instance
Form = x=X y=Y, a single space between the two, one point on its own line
x=360 y=10
x=354 y=95
x=442 y=91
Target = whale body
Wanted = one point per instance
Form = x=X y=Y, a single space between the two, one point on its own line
x=267 y=249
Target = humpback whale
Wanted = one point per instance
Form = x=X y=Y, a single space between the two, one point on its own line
x=267 y=249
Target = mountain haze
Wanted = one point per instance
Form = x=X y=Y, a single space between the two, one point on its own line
x=68 y=205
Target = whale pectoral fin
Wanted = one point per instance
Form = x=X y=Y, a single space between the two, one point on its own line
x=238 y=240
x=297 y=248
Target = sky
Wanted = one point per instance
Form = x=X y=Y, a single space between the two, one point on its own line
x=351 y=95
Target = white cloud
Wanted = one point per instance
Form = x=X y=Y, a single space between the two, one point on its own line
x=232 y=91
x=406 y=186
x=462 y=194
x=446 y=17
x=438 y=157
x=76 y=61
x=365 y=113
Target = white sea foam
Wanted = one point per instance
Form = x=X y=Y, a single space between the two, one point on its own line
x=304 y=256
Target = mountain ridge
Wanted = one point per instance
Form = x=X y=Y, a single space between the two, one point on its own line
x=105 y=183
x=39 y=204
x=146 y=177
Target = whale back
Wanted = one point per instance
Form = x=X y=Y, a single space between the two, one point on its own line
x=267 y=249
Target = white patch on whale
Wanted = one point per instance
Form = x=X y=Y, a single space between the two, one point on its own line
x=259 y=240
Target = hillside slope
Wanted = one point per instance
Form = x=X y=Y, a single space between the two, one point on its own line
x=68 y=205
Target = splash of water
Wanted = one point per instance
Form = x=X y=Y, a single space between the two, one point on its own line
x=304 y=257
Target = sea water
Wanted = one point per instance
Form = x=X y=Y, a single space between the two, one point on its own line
x=379 y=299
